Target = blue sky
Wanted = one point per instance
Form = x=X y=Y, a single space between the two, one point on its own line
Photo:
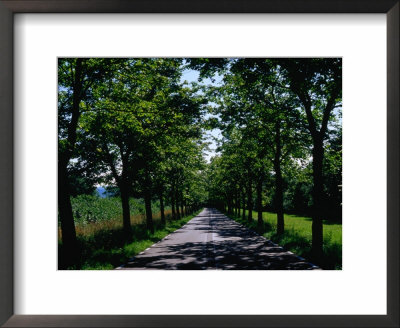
x=192 y=76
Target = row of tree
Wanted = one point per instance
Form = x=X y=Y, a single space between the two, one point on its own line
x=280 y=121
x=132 y=124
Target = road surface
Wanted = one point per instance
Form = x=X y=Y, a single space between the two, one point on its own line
x=213 y=241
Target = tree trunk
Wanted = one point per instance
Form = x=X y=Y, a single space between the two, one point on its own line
x=278 y=179
x=182 y=206
x=70 y=250
x=186 y=209
x=259 y=202
x=149 y=214
x=317 y=227
x=68 y=233
x=244 y=204
x=249 y=201
x=173 y=205
x=279 y=202
x=126 y=215
x=238 y=203
x=318 y=157
x=178 y=215
x=163 y=221
x=147 y=203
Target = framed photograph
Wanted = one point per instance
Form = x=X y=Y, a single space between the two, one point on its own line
x=193 y=136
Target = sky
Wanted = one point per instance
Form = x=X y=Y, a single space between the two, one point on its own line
x=192 y=76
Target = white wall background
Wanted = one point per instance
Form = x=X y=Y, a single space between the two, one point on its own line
x=360 y=288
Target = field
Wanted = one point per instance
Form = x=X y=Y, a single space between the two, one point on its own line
x=297 y=237
x=93 y=214
x=98 y=223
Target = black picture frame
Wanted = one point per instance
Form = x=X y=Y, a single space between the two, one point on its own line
x=7 y=10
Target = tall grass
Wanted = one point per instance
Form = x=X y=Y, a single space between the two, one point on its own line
x=298 y=236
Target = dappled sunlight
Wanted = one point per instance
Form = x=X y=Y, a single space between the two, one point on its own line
x=213 y=241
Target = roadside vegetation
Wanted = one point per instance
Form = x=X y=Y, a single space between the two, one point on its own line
x=297 y=237
x=101 y=242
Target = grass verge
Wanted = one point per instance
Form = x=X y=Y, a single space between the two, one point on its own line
x=297 y=237
x=107 y=249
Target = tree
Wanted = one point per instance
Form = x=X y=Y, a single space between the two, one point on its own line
x=318 y=85
x=75 y=81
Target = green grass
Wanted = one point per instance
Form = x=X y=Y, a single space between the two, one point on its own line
x=297 y=237
x=106 y=249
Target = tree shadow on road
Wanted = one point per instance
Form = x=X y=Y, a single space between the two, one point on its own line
x=233 y=247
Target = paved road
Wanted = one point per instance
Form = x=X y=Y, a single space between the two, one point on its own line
x=213 y=241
